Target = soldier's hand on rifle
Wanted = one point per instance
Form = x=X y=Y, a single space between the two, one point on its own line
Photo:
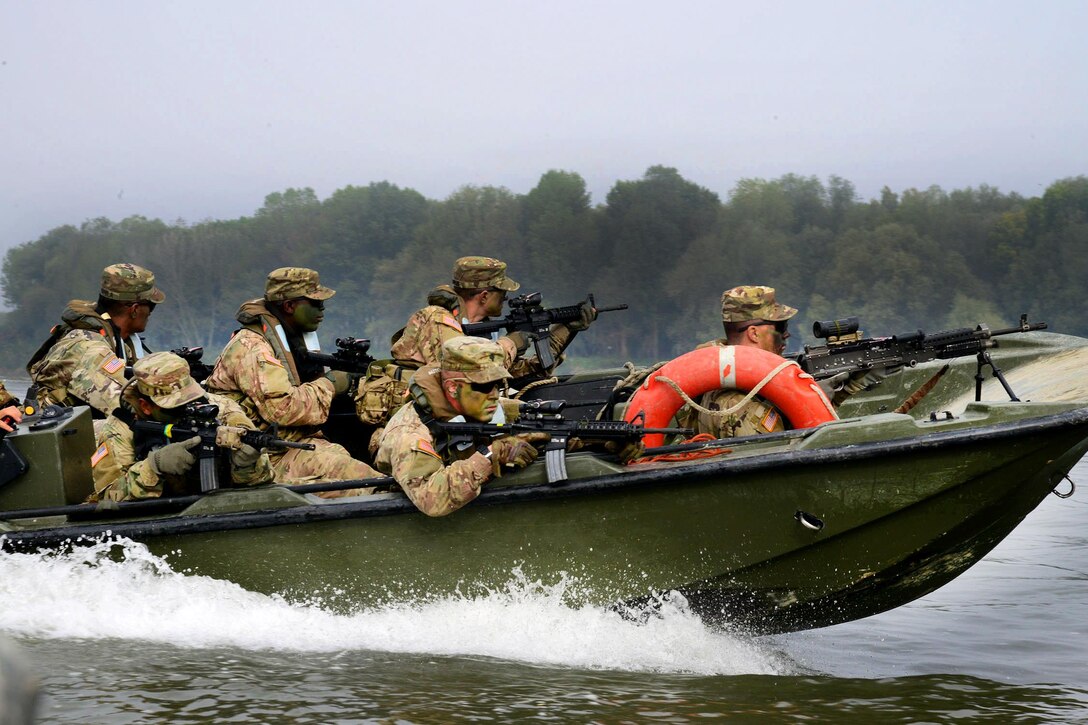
x=589 y=314
x=521 y=342
x=175 y=458
x=229 y=436
x=341 y=381
x=245 y=457
x=516 y=451
x=843 y=385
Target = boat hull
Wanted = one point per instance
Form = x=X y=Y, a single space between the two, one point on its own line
x=905 y=506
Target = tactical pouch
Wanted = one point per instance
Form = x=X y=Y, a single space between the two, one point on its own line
x=382 y=392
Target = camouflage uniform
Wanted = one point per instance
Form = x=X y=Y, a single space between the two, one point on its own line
x=257 y=370
x=83 y=361
x=439 y=483
x=421 y=340
x=6 y=398
x=739 y=304
x=164 y=378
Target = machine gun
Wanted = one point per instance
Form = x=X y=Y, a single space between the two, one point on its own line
x=544 y=416
x=352 y=355
x=534 y=321
x=200 y=419
x=846 y=351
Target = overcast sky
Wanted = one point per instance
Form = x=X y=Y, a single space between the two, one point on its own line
x=197 y=110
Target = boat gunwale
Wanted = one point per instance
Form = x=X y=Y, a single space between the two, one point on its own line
x=693 y=471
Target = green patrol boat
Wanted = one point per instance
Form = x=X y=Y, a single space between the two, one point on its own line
x=775 y=533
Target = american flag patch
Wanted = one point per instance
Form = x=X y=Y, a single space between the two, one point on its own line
x=113 y=365
x=770 y=420
x=447 y=320
x=101 y=453
x=425 y=446
x=269 y=357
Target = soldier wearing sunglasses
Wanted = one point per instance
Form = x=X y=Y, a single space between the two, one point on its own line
x=464 y=385
x=752 y=317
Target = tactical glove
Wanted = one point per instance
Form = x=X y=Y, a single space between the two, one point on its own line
x=521 y=342
x=341 y=381
x=175 y=458
x=245 y=457
x=229 y=436
x=589 y=314
x=516 y=451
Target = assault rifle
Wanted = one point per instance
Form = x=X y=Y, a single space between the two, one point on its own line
x=198 y=369
x=543 y=416
x=200 y=419
x=352 y=355
x=534 y=321
x=846 y=351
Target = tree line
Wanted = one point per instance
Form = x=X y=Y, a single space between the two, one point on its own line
x=929 y=259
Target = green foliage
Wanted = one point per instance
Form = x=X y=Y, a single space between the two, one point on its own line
x=666 y=246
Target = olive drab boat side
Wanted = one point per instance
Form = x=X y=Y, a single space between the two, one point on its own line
x=774 y=533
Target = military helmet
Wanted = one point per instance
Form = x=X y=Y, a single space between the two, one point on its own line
x=292 y=283
x=753 y=302
x=130 y=283
x=476 y=358
x=164 y=377
x=476 y=273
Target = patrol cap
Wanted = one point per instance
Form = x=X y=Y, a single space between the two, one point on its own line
x=164 y=377
x=291 y=283
x=130 y=283
x=753 y=302
x=478 y=359
x=482 y=273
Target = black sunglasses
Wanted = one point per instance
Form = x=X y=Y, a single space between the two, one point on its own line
x=485 y=388
x=779 y=326
x=316 y=304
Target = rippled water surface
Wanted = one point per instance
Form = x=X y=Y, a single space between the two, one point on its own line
x=123 y=638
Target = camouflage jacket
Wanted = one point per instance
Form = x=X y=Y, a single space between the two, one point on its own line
x=118 y=476
x=258 y=371
x=6 y=398
x=756 y=417
x=427 y=329
x=83 y=367
x=438 y=484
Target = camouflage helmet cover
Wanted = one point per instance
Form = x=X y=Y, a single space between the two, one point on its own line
x=476 y=273
x=753 y=302
x=476 y=358
x=164 y=377
x=292 y=283
x=130 y=283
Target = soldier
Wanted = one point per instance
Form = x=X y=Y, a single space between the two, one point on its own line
x=479 y=288
x=83 y=361
x=466 y=383
x=752 y=317
x=162 y=387
x=9 y=408
x=259 y=369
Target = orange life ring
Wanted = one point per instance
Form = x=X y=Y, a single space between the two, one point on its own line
x=730 y=367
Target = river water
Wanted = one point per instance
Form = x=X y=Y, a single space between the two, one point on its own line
x=122 y=638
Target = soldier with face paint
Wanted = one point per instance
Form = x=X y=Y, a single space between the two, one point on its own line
x=260 y=370
x=440 y=480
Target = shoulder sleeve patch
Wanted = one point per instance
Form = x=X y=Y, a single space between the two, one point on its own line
x=270 y=358
x=451 y=322
x=424 y=446
x=101 y=453
x=112 y=364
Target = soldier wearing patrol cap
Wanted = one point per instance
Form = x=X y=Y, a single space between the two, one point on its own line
x=440 y=480
x=479 y=286
x=753 y=317
x=160 y=388
x=83 y=361
x=260 y=370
